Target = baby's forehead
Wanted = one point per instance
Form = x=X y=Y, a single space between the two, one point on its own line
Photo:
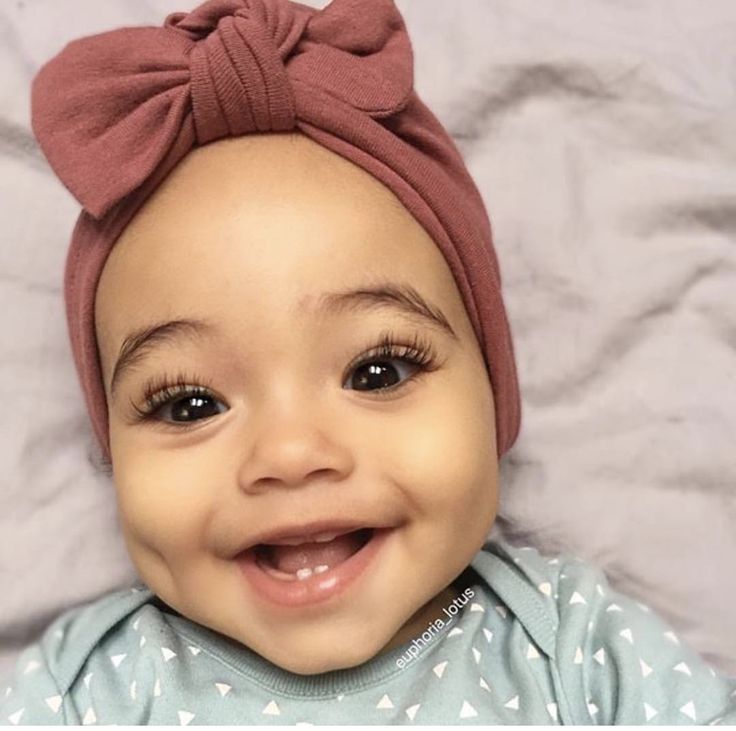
x=283 y=166
x=276 y=199
x=266 y=222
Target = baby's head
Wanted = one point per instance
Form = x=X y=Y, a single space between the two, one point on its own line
x=337 y=357
x=304 y=417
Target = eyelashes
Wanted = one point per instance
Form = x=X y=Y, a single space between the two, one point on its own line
x=162 y=390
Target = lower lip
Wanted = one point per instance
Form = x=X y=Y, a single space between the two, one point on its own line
x=318 y=587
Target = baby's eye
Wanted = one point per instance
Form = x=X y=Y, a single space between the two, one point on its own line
x=377 y=372
x=186 y=407
x=379 y=375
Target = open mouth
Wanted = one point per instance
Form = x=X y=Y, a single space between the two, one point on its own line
x=297 y=572
x=300 y=561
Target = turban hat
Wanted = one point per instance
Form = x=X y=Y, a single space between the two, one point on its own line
x=115 y=112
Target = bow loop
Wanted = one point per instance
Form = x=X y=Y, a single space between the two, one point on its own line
x=104 y=114
x=358 y=51
x=109 y=108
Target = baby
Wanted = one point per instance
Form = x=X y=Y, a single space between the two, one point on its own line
x=285 y=311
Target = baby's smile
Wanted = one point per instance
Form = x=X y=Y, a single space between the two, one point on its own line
x=311 y=564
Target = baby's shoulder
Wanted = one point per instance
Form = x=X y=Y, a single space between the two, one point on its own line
x=561 y=598
x=39 y=687
x=552 y=582
x=84 y=630
x=615 y=659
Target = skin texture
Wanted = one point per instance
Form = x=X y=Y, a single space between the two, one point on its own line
x=249 y=232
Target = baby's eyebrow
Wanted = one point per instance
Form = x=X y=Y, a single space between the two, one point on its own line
x=404 y=299
x=401 y=297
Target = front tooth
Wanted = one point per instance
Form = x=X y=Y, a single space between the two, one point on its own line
x=321 y=568
x=325 y=537
x=302 y=574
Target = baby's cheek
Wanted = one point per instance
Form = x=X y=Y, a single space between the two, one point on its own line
x=448 y=457
x=159 y=505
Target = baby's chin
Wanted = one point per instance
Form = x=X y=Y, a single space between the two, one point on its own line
x=342 y=655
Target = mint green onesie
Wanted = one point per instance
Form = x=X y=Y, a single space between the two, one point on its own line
x=531 y=640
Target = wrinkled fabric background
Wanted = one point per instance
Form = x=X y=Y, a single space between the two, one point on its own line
x=603 y=138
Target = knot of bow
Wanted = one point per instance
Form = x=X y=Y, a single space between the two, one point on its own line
x=109 y=107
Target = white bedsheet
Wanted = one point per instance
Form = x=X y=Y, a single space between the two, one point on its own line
x=602 y=135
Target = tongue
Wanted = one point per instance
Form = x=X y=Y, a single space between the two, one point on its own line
x=308 y=555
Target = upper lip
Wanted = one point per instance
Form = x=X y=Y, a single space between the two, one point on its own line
x=305 y=531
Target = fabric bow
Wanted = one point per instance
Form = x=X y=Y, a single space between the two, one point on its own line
x=110 y=107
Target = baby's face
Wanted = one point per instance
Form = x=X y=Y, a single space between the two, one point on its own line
x=297 y=417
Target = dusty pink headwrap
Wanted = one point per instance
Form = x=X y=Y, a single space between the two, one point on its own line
x=116 y=111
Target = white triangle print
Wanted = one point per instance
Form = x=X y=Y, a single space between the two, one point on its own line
x=136 y=623
x=600 y=656
x=593 y=708
x=650 y=712
x=54 y=703
x=683 y=668
x=483 y=684
x=578 y=657
x=454 y=631
x=385 y=702
x=643 y=607
x=132 y=690
x=553 y=561
x=59 y=633
x=590 y=625
x=501 y=610
x=15 y=717
x=645 y=669
x=185 y=717
x=614 y=608
x=439 y=668
x=599 y=589
x=194 y=650
x=271 y=709
x=467 y=711
x=87 y=678
x=476 y=655
x=689 y=710
x=672 y=637
x=32 y=665
x=157 y=688
x=143 y=641
x=577 y=598
x=117 y=659
x=340 y=696
x=488 y=634
x=552 y=710
x=167 y=653
x=546 y=588
x=626 y=634
x=89 y=717
x=513 y=703
x=8 y=691
x=411 y=711
x=531 y=652
x=224 y=689
x=475 y=607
